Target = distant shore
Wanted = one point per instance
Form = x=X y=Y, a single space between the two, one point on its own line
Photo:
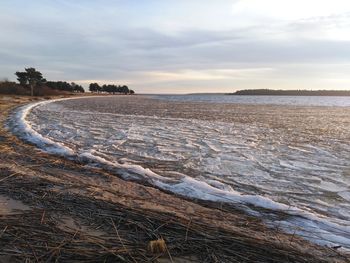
x=52 y=209
x=270 y=92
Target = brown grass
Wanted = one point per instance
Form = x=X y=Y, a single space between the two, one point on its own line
x=157 y=246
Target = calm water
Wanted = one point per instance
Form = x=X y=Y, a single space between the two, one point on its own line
x=276 y=153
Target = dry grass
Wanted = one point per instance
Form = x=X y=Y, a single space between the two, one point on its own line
x=157 y=246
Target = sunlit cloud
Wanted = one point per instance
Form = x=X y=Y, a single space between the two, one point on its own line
x=214 y=74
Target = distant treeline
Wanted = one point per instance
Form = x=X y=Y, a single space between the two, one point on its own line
x=110 y=88
x=31 y=82
x=270 y=92
x=51 y=88
x=65 y=86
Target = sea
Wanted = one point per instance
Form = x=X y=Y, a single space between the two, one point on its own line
x=283 y=159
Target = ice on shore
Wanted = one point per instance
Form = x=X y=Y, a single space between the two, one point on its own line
x=260 y=168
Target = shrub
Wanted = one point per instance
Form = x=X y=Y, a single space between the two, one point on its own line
x=7 y=87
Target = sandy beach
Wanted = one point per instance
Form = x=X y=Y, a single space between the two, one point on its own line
x=55 y=209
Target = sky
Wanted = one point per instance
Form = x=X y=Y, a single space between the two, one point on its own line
x=180 y=46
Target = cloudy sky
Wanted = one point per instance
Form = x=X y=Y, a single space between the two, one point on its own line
x=180 y=46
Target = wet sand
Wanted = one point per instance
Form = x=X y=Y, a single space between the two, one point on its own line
x=70 y=212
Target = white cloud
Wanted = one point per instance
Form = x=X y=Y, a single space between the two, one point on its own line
x=290 y=9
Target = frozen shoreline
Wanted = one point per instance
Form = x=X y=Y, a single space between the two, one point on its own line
x=190 y=187
x=67 y=199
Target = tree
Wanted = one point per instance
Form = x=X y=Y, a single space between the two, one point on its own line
x=76 y=88
x=30 y=77
x=22 y=78
x=104 y=88
x=94 y=87
x=125 y=89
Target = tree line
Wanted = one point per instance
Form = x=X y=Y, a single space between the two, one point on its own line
x=31 y=82
x=110 y=88
x=65 y=86
x=270 y=92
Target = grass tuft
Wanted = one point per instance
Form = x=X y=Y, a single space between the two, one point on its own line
x=157 y=246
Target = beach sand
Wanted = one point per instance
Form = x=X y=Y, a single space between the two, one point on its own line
x=53 y=209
